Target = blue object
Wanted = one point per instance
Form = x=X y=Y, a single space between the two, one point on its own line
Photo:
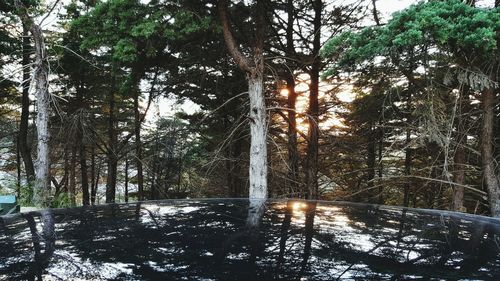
x=8 y=205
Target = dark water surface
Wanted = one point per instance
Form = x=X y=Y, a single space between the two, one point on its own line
x=242 y=240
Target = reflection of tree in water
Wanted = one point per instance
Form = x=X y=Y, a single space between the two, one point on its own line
x=392 y=243
x=235 y=239
x=154 y=240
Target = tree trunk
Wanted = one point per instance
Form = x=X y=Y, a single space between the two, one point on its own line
x=126 y=178
x=84 y=174
x=111 y=178
x=254 y=68
x=258 y=138
x=64 y=183
x=24 y=147
x=72 y=175
x=312 y=142
x=490 y=178
x=313 y=110
x=41 y=192
x=138 y=146
x=154 y=172
x=18 y=168
x=459 y=160
x=293 y=153
x=92 y=175
x=112 y=158
x=93 y=192
x=370 y=161
x=459 y=176
x=380 y=164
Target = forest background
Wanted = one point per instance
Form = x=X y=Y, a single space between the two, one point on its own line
x=360 y=105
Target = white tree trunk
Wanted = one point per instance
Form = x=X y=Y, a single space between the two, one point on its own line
x=254 y=68
x=41 y=188
x=258 y=137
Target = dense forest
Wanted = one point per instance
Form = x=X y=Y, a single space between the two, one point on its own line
x=316 y=99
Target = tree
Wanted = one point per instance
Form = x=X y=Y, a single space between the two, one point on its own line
x=254 y=68
x=42 y=176
x=466 y=34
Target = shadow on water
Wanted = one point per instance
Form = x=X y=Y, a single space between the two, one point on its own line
x=247 y=240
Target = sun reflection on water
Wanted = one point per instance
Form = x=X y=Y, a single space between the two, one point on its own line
x=298 y=206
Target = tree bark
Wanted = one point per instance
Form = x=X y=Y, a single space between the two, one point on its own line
x=293 y=153
x=126 y=178
x=93 y=192
x=72 y=174
x=370 y=161
x=313 y=110
x=138 y=144
x=41 y=191
x=154 y=172
x=490 y=178
x=459 y=160
x=254 y=68
x=92 y=174
x=24 y=147
x=311 y=173
x=80 y=93
x=380 y=164
x=18 y=167
x=84 y=174
x=258 y=138
x=459 y=176
x=112 y=158
x=42 y=172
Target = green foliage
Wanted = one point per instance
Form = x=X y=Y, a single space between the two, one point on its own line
x=125 y=51
x=186 y=23
x=61 y=200
x=132 y=31
x=469 y=33
x=26 y=195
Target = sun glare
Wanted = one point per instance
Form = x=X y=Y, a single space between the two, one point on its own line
x=284 y=92
x=330 y=118
x=298 y=206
